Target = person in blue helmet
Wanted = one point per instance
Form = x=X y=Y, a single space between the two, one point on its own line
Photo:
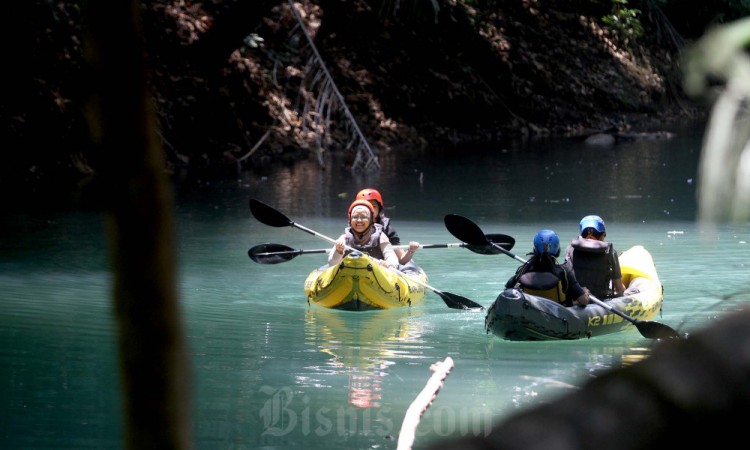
x=543 y=276
x=594 y=260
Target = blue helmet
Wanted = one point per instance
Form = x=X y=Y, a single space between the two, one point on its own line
x=546 y=241
x=594 y=222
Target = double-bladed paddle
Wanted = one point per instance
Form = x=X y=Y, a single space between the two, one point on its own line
x=467 y=231
x=278 y=253
x=271 y=217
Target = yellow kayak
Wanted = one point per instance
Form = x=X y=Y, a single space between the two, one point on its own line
x=359 y=283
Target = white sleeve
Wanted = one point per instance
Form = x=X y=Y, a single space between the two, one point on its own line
x=335 y=257
x=389 y=254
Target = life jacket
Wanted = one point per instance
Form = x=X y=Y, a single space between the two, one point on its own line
x=592 y=265
x=388 y=230
x=542 y=284
x=371 y=245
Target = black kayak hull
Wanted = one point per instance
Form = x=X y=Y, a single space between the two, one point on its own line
x=516 y=316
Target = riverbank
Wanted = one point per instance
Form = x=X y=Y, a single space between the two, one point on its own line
x=410 y=80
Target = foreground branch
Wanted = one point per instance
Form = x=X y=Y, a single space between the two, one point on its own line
x=422 y=402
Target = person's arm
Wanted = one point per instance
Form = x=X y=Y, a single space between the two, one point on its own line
x=568 y=262
x=617 y=284
x=575 y=290
x=583 y=299
x=337 y=252
x=512 y=281
x=402 y=255
x=389 y=254
x=405 y=256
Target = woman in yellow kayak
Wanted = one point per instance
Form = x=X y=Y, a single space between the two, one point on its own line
x=376 y=200
x=364 y=235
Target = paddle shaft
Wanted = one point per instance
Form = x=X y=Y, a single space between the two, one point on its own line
x=611 y=309
x=294 y=252
x=314 y=233
x=502 y=250
x=401 y=247
x=326 y=250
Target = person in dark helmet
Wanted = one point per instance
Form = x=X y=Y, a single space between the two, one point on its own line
x=594 y=260
x=543 y=276
x=364 y=235
x=376 y=200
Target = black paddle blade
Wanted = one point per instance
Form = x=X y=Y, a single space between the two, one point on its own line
x=503 y=240
x=267 y=253
x=457 y=302
x=465 y=230
x=267 y=215
x=656 y=330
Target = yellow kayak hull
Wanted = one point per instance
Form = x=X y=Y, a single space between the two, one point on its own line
x=359 y=283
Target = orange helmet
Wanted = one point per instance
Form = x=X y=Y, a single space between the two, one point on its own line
x=371 y=194
x=361 y=203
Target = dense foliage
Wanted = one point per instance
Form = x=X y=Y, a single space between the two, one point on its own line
x=226 y=75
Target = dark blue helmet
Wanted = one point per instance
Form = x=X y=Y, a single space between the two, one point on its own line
x=546 y=241
x=594 y=222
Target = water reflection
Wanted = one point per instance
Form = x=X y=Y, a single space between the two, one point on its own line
x=630 y=181
x=535 y=372
x=363 y=345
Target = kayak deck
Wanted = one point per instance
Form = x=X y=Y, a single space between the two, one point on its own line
x=359 y=283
